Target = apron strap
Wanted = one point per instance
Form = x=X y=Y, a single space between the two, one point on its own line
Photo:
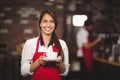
x=37 y=46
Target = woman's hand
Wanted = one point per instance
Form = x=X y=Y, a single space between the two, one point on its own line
x=60 y=64
x=98 y=39
x=42 y=60
x=59 y=59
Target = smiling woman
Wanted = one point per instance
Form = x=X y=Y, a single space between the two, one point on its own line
x=36 y=50
x=47 y=24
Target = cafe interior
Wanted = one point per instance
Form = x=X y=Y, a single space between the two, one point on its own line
x=19 y=22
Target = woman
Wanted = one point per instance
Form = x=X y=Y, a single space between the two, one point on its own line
x=33 y=61
x=85 y=46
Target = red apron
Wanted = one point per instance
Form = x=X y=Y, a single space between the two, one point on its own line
x=46 y=72
x=87 y=56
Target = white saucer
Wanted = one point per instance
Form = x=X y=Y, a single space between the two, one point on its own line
x=47 y=59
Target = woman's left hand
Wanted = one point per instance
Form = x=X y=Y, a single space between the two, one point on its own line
x=59 y=59
x=60 y=64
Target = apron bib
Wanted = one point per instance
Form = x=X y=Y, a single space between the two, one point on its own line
x=46 y=72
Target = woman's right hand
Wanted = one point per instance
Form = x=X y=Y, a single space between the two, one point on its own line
x=98 y=39
x=42 y=60
x=39 y=62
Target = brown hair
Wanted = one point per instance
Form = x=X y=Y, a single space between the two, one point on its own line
x=88 y=23
x=54 y=37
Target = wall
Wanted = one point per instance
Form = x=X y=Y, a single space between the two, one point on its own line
x=19 y=22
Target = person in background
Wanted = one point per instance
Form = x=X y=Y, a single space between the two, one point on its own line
x=84 y=52
x=34 y=60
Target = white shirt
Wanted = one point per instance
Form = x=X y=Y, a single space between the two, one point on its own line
x=82 y=37
x=29 y=50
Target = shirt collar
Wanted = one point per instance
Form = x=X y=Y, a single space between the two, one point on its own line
x=42 y=42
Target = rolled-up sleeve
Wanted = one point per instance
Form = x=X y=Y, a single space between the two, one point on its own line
x=66 y=58
x=26 y=59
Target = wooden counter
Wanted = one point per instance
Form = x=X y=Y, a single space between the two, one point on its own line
x=107 y=62
x=106 y=70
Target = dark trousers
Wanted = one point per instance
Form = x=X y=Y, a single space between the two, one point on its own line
x=86 y=74
x=83 y=71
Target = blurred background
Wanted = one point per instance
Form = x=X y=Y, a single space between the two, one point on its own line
x=19 y=22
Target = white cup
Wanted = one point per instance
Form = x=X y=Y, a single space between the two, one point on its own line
x=51 y=56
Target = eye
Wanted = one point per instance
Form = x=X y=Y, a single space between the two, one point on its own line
x=52 y=21
x=44 y=21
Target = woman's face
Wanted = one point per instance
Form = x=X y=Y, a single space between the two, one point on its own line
x=47 y=24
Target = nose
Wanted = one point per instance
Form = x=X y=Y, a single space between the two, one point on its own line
x=48 y=24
